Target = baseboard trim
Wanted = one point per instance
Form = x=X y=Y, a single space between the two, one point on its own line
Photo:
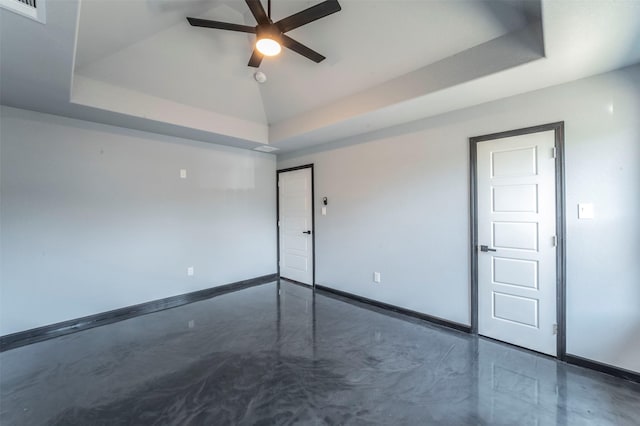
x=396 y=309
x=27 y=337
x=603 y=368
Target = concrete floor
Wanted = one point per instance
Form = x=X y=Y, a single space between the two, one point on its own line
x=257 y=357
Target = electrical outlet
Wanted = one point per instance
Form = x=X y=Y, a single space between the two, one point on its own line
x=183 y=173
x=376 y=277
x=190 y=271
x=191 y=324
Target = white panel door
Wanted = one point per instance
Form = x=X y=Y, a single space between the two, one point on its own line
x=516 y=222
x=295 y=225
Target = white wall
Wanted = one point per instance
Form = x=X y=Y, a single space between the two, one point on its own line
x=399 y=204
x=95 y=217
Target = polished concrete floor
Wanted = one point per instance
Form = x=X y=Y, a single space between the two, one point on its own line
x=278 y=354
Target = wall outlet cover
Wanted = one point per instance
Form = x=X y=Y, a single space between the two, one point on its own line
x=585 y=211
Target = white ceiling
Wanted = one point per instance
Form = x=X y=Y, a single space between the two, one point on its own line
x=173 y=61
x=153 y=50
x=137 y=63
x=370 y=42
x=106 y=27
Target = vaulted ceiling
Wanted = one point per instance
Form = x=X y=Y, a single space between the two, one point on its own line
x=139 y=64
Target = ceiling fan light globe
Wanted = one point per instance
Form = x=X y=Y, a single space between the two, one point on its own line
x=268 y=46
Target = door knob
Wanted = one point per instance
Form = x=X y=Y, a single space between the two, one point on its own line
x=486 y=248
x=306 y=232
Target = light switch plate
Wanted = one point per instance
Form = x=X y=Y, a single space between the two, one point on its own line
x=183 y=173
x=585 y=211
x=324 y=211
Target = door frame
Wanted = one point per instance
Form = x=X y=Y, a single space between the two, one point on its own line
x=313 y=219
x=561 y=293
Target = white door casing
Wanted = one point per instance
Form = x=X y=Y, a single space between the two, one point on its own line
x=295 y=225
x=516 y=196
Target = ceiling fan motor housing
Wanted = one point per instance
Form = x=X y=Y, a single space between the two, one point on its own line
x=268 y=31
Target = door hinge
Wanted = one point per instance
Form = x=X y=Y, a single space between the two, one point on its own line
x=553 y=152
x=555 y=329
x=278 y=224
x=554 y=241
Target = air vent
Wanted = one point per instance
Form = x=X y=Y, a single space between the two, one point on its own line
x=33 y=9
x=265 y=148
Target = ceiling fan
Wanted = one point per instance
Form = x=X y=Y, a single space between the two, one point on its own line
x=271 y=35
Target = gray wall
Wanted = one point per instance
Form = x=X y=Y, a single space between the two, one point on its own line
x=94 y=217
x=398 y=204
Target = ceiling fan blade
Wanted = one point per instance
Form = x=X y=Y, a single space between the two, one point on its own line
x=311 y=14
x=301 y=49
x=256 y=59
x=221 y=25
x=258 y=11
